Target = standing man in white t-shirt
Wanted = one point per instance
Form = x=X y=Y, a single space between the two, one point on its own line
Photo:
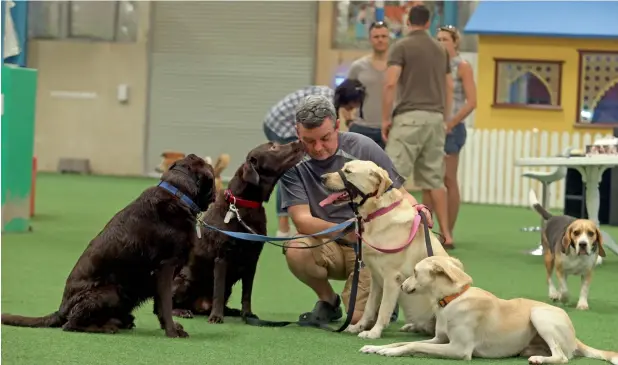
x=370 y=70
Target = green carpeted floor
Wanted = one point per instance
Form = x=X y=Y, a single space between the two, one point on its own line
x=72 y=209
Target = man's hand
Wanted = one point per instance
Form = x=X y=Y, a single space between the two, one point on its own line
x=386 y=128
x=427 y=213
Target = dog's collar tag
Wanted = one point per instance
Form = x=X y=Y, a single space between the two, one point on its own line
x=198 y=230
x=228 y=216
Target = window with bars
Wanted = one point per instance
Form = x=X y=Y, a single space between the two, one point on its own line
x=107 y=21
x=598 y=87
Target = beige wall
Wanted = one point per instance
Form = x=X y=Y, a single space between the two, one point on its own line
x=78 y=114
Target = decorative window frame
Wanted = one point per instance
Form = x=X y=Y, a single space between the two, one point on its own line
x=579 y=122
x=557 y=105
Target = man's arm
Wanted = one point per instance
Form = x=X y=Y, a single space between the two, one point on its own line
x=294 y=198
x=396 y=62
x=308 y=224
x=393 y=72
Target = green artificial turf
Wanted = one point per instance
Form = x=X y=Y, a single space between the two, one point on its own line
x=70 y=210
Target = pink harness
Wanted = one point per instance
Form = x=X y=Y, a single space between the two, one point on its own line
x=415 y=224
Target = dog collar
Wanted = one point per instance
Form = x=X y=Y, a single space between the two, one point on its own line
x=446 y=300
x=382 y=211
x=239 y=202
x=180 y=195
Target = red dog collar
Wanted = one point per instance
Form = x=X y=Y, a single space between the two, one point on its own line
x=241 y=203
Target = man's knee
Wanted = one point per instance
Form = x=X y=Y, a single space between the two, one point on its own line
x=298 y=252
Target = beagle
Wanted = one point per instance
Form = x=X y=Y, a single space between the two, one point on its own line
x=572 y=246
x=472 y=322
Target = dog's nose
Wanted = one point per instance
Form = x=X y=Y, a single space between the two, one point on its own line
x=583 y=244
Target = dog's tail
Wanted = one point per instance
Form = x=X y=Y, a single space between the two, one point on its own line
x=51 y=320
x=534 y=202
x=222 y=162
x=587 y=351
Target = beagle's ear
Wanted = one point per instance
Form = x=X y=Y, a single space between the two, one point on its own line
x=566 y=240
x=250 y=174
x=452 y=272
x=600 y=242
x=384 y=181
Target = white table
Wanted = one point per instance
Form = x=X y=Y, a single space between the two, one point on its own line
x=591 y=169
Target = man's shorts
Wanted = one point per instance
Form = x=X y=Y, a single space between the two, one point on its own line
x=338 y=260
x=416 y=144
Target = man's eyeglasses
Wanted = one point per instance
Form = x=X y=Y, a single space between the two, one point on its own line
x=378 y=25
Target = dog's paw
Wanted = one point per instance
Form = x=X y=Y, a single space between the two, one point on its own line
x=213 y=318
x=370 y=349
x=372 y=335
x=564 y=297
x=554 y=295
x=393 y=351
x=582 y=305
x=535 y=360
x=110 y=328
x=182 y=313
x=354 y=328
x=177 y=331
x=410 y=327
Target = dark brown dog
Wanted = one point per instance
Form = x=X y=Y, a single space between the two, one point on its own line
x=134 y=257
x=219 y=261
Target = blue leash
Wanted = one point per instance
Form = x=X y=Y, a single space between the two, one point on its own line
x=260 y=238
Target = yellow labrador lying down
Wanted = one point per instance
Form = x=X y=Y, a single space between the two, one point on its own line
x=474 y=322
x=393 y=242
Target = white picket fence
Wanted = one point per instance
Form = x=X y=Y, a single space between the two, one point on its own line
x=487 y=171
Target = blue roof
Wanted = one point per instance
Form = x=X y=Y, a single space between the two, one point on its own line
x=573 y=19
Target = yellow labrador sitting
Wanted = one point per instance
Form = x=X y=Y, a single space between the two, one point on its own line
x=474 y=322
x=393 y=242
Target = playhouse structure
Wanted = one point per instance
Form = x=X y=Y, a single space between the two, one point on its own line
x=551 y=65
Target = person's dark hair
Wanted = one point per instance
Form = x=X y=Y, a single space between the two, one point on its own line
x=419 y=15
x=349 y=91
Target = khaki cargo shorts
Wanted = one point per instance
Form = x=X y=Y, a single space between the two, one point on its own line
x=416 y=144
x=338 y=260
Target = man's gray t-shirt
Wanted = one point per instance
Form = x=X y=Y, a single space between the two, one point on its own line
x=373 y=80
x=301 y=184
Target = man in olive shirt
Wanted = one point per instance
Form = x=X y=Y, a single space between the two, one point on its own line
x=420 y=68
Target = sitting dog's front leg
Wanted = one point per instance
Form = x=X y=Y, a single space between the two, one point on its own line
x=247 y=289
x=390 y=295
x=371 y=308
x=582 y=303
x=218 y=300
x=449 y=350
x=562 y=282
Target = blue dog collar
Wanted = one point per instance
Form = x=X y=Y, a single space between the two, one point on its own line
x=180 y=195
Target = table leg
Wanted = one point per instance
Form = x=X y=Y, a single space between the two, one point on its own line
x=591 y=177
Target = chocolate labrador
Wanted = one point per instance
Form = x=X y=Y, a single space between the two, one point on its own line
x=134 y=257
x=218 y=261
